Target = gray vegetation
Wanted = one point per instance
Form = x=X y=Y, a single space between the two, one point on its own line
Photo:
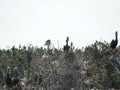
x=95 y=66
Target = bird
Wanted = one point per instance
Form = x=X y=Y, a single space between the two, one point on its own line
x=15 y=79
x=48 y=42
x=114 y=43
x=12 y=81
x=8 y=78
x=66 y=47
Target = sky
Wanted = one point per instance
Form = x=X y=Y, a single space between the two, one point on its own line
x=34 y=21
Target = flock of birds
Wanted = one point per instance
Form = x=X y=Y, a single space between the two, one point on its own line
x=113 y=43
x=13 y=81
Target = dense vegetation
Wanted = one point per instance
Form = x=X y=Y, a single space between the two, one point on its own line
x=102 y=64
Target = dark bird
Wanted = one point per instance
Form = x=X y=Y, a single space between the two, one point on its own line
x=114 y=43
x=48 y=42
x=66 y=47
x=15 y=79
x=12 y=81
x=8 y=78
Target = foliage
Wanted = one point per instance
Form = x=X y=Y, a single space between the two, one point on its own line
x=102 y=63
x=101 y=57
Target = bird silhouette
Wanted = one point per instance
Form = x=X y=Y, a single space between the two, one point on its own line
x=12 y=81
x=114 y=43
x=48 y=42
x=15 y=79
x=66 y=47
x=8 y=78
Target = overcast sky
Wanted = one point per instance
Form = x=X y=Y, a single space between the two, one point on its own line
x=34 y=21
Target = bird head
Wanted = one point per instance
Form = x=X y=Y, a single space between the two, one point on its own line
x=48 y=42
x=116 y=33
x=67 y=39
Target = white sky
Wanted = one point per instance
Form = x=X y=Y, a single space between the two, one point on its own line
x=35 y=21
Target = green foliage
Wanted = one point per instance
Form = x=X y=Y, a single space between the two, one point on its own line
x=99 y=56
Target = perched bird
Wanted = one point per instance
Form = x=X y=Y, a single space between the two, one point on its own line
x=12 y=81
x=8 y=78
x=114 y=43
x=15 y=79
x=71 y=46
x=48 y=42
x=66 y=47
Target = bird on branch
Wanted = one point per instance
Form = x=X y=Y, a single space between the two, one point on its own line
x=114 y=43
x=66 y=47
